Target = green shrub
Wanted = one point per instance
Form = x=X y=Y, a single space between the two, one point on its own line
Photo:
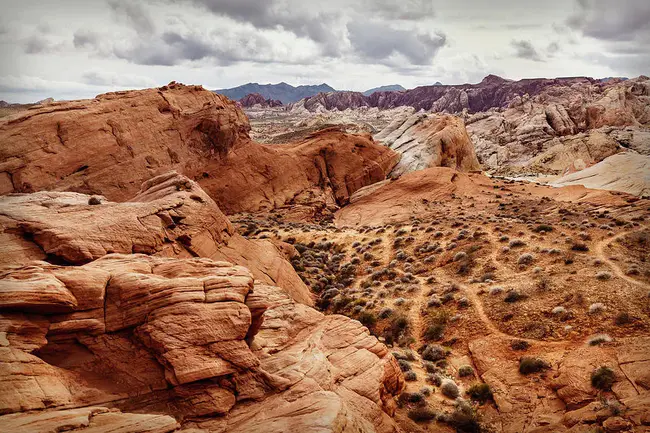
x=480 y=392
x=465 y=371
x=368 y=319
x=603 y=378
x=410 y=376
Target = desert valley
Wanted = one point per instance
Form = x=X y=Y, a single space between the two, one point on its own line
x=466 y=258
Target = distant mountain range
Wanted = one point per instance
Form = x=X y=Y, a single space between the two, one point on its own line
x=283 y=92
x=389 y=88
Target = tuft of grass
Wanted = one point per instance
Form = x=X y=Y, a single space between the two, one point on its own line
x=599 y=339
x=603 y=378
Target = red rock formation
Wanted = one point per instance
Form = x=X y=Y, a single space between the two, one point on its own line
x=190 y=339
x=111 y=144
x=325 y=168
x=254 y=99
x=171 y=216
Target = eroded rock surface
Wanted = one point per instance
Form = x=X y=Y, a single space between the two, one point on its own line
x=165 y=338
x=425 y=141
x=100 y=146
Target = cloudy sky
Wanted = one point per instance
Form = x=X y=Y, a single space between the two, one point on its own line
x=70 y=49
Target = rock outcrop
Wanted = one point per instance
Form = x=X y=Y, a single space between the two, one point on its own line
x=627 y=172
x=105 y=338
x=425 y=141
x=322 y=170
x=257 y=100
x=111 y=144
x=171 y=216
x=562 y=128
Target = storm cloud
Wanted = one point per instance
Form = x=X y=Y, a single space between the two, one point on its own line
x=76 y=48
x=525 y=50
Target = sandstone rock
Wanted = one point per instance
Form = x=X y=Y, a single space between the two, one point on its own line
x=257 y=100
x=91 y=419
x=429 y=141
x=325 y=168
x=170 y=216
x=627 y=172
x=99 y=147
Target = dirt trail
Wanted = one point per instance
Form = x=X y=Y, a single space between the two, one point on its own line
x=600 y=253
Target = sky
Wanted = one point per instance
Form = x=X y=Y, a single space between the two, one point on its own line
x=71 y=49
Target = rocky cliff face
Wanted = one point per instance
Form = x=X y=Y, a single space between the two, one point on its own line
x=563 y=128
x=425 y=141
x=257 y=100
x=111 y=144
x=136 y=310
x=492 y=92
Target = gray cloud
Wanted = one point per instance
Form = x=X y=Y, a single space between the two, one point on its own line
x=318 y=26
x=411 y=10
x=525 y=50
x=376 y=41
x=85 y=39
x=611 y=20
x=133 y=14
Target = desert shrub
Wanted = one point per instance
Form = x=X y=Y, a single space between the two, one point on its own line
x=434 y=301
x=94 y=200
x=603 y=378
x=404 y=365
x=623 y=318
x=434 y=379
x=460 y=256
x=599 y=339
x=463 y=418
x=434 y=332
x=341 y=302
x=433 y=352
x=519 y=345
x=543 y=228
x=480 y=392
x=410 y=397
x=429 y=366
x=422 y=414
x=579 y=246
x=596 y=308
x=496 y=291
x=385 y=313
x=529 y=365
x=463 y=302
x=410 y=376
x=397 y=327
x=516 y=243
x=603 y=276
x=465 y=370
x=513 y=296
x=525 y=259
x=449 y=388
x=426 y=391
x=368 y=319
x=447 y=297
